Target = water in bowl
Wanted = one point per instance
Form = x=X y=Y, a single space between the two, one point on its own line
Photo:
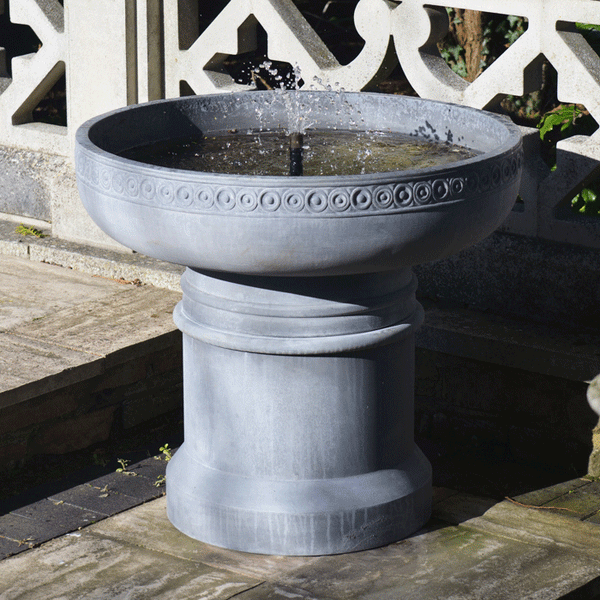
x=324 y=152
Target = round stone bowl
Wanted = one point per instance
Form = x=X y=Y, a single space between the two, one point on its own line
x=298 y=226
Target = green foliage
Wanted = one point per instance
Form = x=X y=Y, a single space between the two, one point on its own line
x=451 y=51
x=453 y=55
x=21 y=229
x=99 y=458
x=587 y=202
x=167 y=452
x=591 y=33
x=555 y=121
x=498 y=33
x=124 y=464
x=565 y=121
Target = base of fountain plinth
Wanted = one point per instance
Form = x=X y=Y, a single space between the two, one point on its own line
x=303 y=518
x=298 y=413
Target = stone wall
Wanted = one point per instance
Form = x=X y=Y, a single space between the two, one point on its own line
x=145 y=385
x=474 y=408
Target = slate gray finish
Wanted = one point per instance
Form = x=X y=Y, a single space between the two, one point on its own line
x=298 y=225
x=299 y=310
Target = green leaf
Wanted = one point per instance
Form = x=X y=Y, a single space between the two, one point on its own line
x=587 y=27
x=548 y=123
x=564 y=117
x=588 y=195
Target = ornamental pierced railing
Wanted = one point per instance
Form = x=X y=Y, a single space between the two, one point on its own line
x=118 y=52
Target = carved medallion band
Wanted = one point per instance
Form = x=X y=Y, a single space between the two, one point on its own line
x=186 y=192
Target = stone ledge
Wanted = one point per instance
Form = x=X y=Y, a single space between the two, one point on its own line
x=509 y=342
x=89 y=409
x=88 y=259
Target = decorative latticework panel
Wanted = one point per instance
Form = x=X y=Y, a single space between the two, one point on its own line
x=116 y=52
x=32 y=77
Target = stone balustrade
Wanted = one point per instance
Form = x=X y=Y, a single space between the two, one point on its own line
x=118 y=52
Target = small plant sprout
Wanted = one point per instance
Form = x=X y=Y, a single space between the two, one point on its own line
x=124 y=464
x=160 y=481
x=23 y=230
x=167 y=452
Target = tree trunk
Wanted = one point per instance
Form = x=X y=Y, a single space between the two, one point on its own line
x=468 y=29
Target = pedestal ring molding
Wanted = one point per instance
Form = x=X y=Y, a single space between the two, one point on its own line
x=298 y=316
x=305 y=346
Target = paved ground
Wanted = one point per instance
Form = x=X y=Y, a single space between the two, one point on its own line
x=109 y=537
x=473 y=548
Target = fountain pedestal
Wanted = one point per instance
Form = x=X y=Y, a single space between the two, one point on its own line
x=298 y=308
x=298 y=413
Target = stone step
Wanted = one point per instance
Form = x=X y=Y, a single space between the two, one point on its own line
x=80 y=354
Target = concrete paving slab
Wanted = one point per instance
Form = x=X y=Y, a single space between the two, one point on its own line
x=450 y=562
x=476 y=559
x=460 y=507
x=105 y=325
x=85 y=566
x=537 y=527
x=23 y=296
x=128 y=484
x=30 y=292
x=101 y=500
x=61 y=512
x=151 y=468
x=50 y=516
x=161 y=536
x=32 y=367
x=10 y=547
x=545 y=495
x=59 y=326
x=271 y=591
x=33 y=529
x=582 y=502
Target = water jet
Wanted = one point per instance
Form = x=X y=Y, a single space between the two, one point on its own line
x=298 y=311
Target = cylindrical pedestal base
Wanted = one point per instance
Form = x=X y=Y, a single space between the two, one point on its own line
x=298 y=414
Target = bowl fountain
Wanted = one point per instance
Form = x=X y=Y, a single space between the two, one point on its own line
x=298 y=311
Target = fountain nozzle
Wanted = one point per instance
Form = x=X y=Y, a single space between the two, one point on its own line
x=296 y=143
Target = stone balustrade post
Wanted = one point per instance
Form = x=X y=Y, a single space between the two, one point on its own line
x=110 y=52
